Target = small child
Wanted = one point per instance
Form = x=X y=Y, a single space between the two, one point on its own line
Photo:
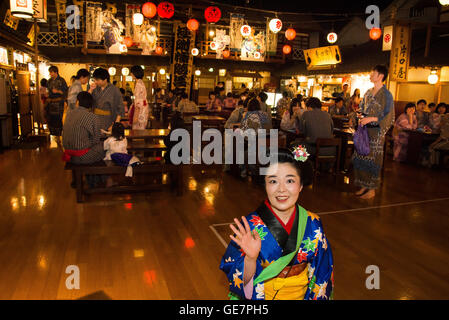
x=116 y=149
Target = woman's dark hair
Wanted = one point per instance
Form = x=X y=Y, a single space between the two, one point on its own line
x=285 y=94
x=263 y=96
x=137 y=71
x=253 y=105
x=293 y=103
x=101 y=73
x=82 y=73
x=122 y=91
x=118 y=131
x=338 y=99
x=53 y=69
x=85 y=100
x=128 y=100
x=383 y=70
x=229 y=95
x=157 y=90
x=241 y=103
x=44 y=82
x=212 y=93
x=441 y=105
x=422 y=101
x=431 y=105
x=313 y=103
x=408 y=106
x=299 y=97
x=304 y=169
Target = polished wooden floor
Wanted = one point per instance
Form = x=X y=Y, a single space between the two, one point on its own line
x=159 y=246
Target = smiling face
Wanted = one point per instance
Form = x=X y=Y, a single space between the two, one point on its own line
x=283 y=185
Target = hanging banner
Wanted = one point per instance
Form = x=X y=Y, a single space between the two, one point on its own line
x=182 y=59
x=40 y=10
x=132 y=30
x=221 y=40
x=79 y=38
x=112 y=29
x=322 y=57
x=272 y=40
x=61 y=17
x=400 y=53
x=148 y=38
x=236 y=22
x=93 y=21
x=10 y=20
x=253 y=47
x=387 y=38
x=31 y=36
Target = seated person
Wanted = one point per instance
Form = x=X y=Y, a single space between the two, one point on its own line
x=435 y=118
x=214 y=103
x=236 y=116
x=422 y=115
x=442 y=143
x=186 y=105
x=81 y=133
x=407 y=120
x=262 y=98
x=229 y=102
x=338 y=108
x=255 y=118
x=129 y=111
x=290 y=118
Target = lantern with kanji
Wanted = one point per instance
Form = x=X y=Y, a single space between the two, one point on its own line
x=275 y=25
x=149 y=10
x=332 y=37
x=375 y=33
x=212 y=14
x=286 y=49
x=245 y=30
x=290 y=34
x=159 y=50
x=128 y=41
x=195 y=52
x=213 y=45
x=165 y=10
x=193 y=24
x=226 y=53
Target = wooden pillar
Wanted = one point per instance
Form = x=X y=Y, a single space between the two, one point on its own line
x=38 y=116
x=428 y=36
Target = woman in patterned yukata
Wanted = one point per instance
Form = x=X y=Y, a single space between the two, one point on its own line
x=280 y=252
x=108 y=103
x=141 y=109
x=377 y=108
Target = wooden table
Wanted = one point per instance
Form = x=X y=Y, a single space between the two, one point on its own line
x=416 y=141
x=147 y=134
x=209 y=121
x=345 y=135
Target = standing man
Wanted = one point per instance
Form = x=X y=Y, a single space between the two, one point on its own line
x=57 y=93
x=377 y=109
x=345 y=95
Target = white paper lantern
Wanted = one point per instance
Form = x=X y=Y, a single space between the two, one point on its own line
x=245 y=30
x=222 y=72
x=162 y=71
x=444 y=2
x=112 y=71
x=256 y=55
x=433 y=77
x=213 y=45
x=275 y=25
x=195 y=52
x=125 y=71
x=22 y=8
x=332 y=37
x=137 y=19
x=198 y=73
x=211 y=69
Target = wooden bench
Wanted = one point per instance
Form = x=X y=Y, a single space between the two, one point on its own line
x=155 y=165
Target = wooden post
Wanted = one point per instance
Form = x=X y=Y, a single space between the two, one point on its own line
x=428 y=36
x=38 y=116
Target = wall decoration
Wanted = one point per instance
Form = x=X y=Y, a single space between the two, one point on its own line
x=271 y=40
x=10 y=20
x=79 y=33
x=275 y=25
x=148 y=38
x=245 y=30
x=253 y=47
x=93 y=21
x=112 y=30
x=222 y=40
x=40 y=10
x=236 y=22
x=400 y=53
x=132 y=30
x=61 y=17
x=182 y=65
x=322 y=57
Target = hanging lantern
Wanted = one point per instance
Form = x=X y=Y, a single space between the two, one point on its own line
x=444 y=2
x=332 y=37
x=193 y=24
x=245 y=30
x=375 y=33
x=128 y=41
x=290 y=34
x=125 y=71
x=165 y=10
x=162 y=71
x=198 y=73
x=159 y=50
x=149 y=10
x=226 y=53
x=212 y=14
x=222 y=72
x=22 y=8
x=286 y=49
x=213 y=45
x=275 y=25
x=257 y=55
x=433 y=77
x=137 y=19
x=195 y=52
x=112 y=71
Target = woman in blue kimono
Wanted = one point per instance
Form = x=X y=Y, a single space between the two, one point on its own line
x=280 y=252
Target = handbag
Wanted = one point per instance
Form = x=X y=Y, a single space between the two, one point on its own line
x=361 y=141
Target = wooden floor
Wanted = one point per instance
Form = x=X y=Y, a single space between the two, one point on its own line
x=159 y=246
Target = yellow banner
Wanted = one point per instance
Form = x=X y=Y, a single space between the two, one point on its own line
x=10 y=20
x=322 y=57
x=400 y=53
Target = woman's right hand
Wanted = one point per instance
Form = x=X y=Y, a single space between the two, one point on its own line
x=249 y=241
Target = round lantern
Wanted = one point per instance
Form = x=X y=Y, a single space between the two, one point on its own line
x=375 y=33
x=112 y=71
x=22 y=8
x=125 y=71
x=257 y=55
x=213 y=45
x=212 y=14
x=165 y=10
x=444 y=2
x=149 y=10
x=159 y=50
x=275 y=25
x=226 y=53
x=286 y=49
x=332 y=37
x=245 y=30
x=193 y=24
x=198 y=72
x=433 y=77
x=195 y=52
x=162 y=71
x=128 y=41
x=290 y=34
x=137 y=19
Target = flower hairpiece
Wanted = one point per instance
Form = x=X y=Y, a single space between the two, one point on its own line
x=300 y=153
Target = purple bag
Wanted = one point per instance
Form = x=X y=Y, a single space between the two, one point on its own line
x=361 y=141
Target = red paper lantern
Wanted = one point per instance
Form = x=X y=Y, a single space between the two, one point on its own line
x=193 y=24
x=226 y=53
x=128 y=41
x=165 y=10
x=159 y=50
x=149 y=10
x=375 y=33
x=287 y=49
x=290 y=34
x=212 y=14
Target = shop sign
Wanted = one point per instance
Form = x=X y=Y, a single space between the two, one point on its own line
x=322 y=57
x=400 y=53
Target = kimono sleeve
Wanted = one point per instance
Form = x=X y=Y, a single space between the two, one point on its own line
x=233 y=265
x=321 y=279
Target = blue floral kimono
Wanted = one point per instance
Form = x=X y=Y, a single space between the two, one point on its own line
x=306 y=244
